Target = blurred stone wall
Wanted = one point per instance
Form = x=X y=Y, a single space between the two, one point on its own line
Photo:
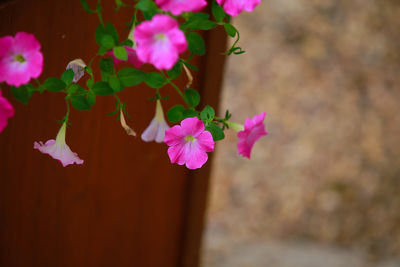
x=327 y=72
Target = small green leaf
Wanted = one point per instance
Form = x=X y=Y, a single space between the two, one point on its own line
x=107 y=65
x=23 y=93
x=110 y=29
x=89 y=83
x=67 y=76
x=107 y=41
x=102 y=89
x=192 y=96
x=115 y=84
x=76 y=89
x=216 y=132
x=175 y=71
x=218 y=12
x=154 y=80
x=148 y=7
x=190 y=113
x=230 y=30
x=80 y=102
x=199 y=21
x=86 y=7
x=127 y=42
x=207 y=114
x=196 y=43
x=54 y=84
x=175 y=114
x=91 y=97
x=131 y=77
x=120 y=53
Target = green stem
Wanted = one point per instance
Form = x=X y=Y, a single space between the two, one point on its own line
x=66 y=118
x=98 y=12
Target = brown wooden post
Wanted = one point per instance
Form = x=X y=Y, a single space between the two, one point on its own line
x=127 y=205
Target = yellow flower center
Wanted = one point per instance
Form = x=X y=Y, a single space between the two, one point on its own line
x=160 y=36
x=19 y=58
x=190 y=138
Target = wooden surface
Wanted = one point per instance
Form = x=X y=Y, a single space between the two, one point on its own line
x=127 y=205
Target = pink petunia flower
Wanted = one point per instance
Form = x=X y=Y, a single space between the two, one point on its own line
x=78 y=66
x=132 y=57
x=157 y=127
x=254 y=129
x=188 y=143
x=235 y=7
x=160 y=41
x=58 y=149
x=20 y=59
x=176 y=7
x=6 y=112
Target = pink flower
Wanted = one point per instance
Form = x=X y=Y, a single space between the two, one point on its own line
x=188 y=143
x=20 y=59
x=176 y=7
x=254 y=129
x=159 y=41
x=132 y=57
x=157 y=127
x=6 y=111
x=235 y=7
x=58 y=149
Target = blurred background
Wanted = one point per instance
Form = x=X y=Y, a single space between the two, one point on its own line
x=323 y=188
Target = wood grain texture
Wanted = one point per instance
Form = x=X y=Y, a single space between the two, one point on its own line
x=126 y=205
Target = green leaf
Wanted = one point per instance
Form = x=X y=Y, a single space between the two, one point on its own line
x=67 y=76
x=216 y=132
x=154 y=80
x=80 y=102
x=192 y=96
x=199 y=21
x=107 y=41
x=127 y=42
x=107 y=65
x=175 y=71
x=196 y=43
x=54 y=84
x=148 y=7
x=102 y=89
x=86 y=7
x=91 y=97
x=76 y=89
x=175 y=114
x=190 y=113
x=89 y=83
x=230 y=30
x=218 y=12
x=110 y=29
x=131 y=76
x=115 y=84
x=120 y=53
x=23 y=93
x=207 y=114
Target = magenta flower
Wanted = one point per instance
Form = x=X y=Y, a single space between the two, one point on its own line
x=6 y=112
x=78 y=66
x=159 y=41
x=58 y=149
x=20 y=59
x=188 y=143
x=132 y=57
x=176 y=7
x=254 y=129
x=235 y=7
x=157 y=127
